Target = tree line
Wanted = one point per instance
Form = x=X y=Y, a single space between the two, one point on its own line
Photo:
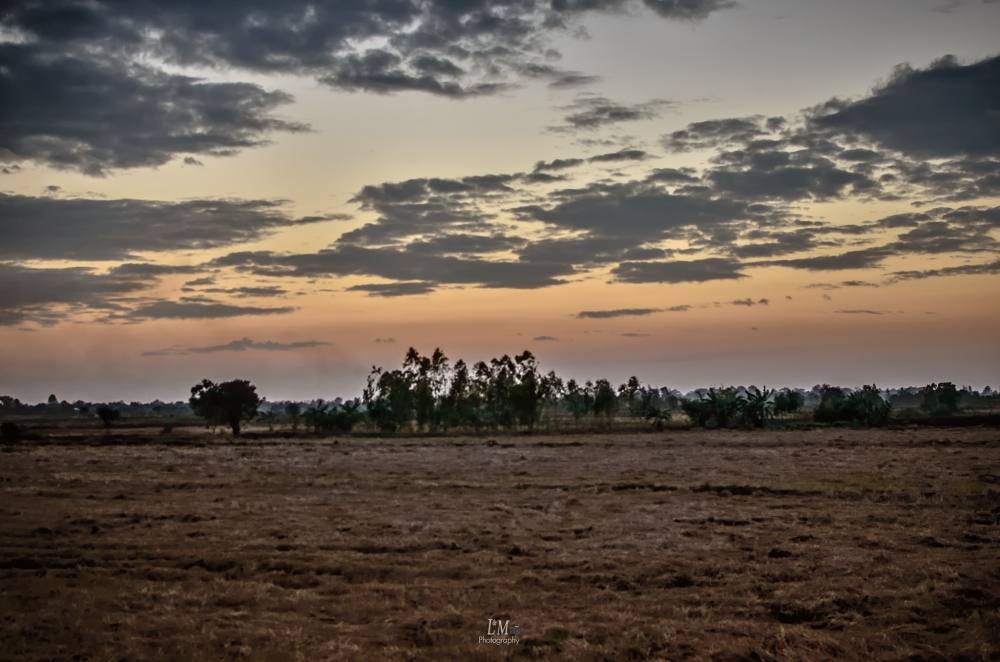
x=430 y=394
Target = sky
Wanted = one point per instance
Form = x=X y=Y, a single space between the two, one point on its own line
x=696 y=192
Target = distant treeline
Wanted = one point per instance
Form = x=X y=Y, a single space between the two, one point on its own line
x=430 y=394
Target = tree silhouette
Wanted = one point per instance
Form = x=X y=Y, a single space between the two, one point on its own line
x=605 y=401
x=758 y=407
x=293 y=411
x=230 y=402
x=940 y=398
x=107 y=415
x=787 y=401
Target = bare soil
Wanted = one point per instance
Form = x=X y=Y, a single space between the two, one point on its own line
x=855 y=544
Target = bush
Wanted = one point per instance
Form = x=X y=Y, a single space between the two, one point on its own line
x=862 y=407
x=10 y=431
x=940 y=399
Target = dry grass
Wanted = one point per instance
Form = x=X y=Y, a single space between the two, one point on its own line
x=702 y=545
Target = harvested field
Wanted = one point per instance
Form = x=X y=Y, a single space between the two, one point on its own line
x=857 y=544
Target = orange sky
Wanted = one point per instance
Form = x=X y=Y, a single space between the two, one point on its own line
x=652 y=187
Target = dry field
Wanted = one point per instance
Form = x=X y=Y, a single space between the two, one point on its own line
x=682 y=545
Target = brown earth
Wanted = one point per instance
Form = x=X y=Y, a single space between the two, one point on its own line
x=857 y=544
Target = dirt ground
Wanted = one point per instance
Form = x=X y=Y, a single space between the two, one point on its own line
x=730 y=545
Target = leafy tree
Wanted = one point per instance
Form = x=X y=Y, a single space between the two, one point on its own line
x=338 y=418
x=53 y=400
x=228 y=403
x=698 y=411
x=389 y=399
x=758 y=407
x=579 y=399
x=940 y=398
x=832 y=405
x=628 y=394
x=864 y=406
x=460 y=405
x=787 y=401
x=605 y=400
x=867 y=406
x=293 y=411
x=107 y=415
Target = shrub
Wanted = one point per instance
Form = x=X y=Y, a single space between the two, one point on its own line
x=107 y=415
x=940 y=399
x=864 y=407
x=10 y=431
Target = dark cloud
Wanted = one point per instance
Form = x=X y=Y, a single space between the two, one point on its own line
x=591 y=112
x=201 y=309
x=711 y=134
x=780 y=174
x=92 y=115
x=633 y=334
x=452 y=49
x=262 y=291
x=864 y=258
x=691 y=10
x=770 y=243
x=98 y=229
x=618 y=312
x=384 y=341
x=46 y=296
x=682 y=308
x=748 y=302
x=678 y=271
x=859 y=311
x=241 y=345
x=545 y=339
x=945 y=110
x=620 y=155
x=401 y=289
x=837 y=286
x=401 y=265
x=557 y=164
x=988 y=268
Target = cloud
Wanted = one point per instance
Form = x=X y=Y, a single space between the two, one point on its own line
x=620 y=155
x=451 y=49
x=618 y=312
x=399 y=264
x=711 y=134
x=93 y=115
x=545 y=339
x=48 y=295
x=988 y=268
x=401 y=289
x=678 y=271
x=691 y=10
x=557 y=164
x=859 y=311
x=864 y=258
x=748 y=302
x=907 y=113
x=241 y=345
x=384 y=341
x=184 y=310
x=591 y=112
x=38 y=228
x=633 y=334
